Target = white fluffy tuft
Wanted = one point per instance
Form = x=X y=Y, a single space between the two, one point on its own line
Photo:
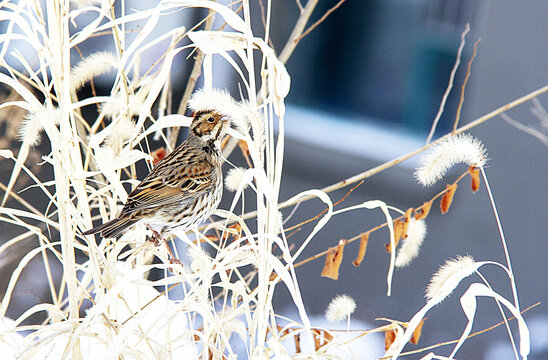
x=449 y=275
x=462 y=148
x=121 y=131
x=340 y=308
x=234 y=179
x=32 y=126
x=220 y=101
x=409 y=249
x=93 y=65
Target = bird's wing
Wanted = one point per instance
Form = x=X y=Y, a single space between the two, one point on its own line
x=170 y=183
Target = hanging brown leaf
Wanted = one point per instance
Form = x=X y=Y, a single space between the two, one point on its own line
x=321 y=338
x=406 y=221
x=447 y=198
x=363 y=248
x=398 y=233
x=417 y=333
x=423 y=211
x=243 y=147
x=389 y=337
x=158 y=155
x=297 y=343
x=333 y=261
x=475 y=175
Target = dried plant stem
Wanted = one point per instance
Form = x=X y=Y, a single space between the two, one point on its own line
x=297 y=31
x=193 y=78
x=445 y=343
x=320 y=20
x=450 y=85
x=378 y=227
x=368 y=173
x=503 y=239
x=467 y=76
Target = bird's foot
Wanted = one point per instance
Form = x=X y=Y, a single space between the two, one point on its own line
x=156 y=237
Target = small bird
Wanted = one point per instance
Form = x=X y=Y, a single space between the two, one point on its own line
x=183 y=189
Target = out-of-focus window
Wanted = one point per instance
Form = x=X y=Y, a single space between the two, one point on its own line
x=387 y=60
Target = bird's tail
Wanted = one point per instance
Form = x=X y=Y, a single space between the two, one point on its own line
x=111 y=229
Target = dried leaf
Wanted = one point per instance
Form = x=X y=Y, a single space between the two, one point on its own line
x=398 y=234
x=333 y=261
x=158 y=155
x=406 y=222
x=273 y=276
x=389 y=337
x=317 y=343
x=447 y=198
x=321 y=338
x=474 y=174
x=423 y=211
x=297 y=343
x=363 y=248
x=417 y=333
x=243 y=147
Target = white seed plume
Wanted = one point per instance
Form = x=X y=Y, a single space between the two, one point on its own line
x=122 y=130
x=410 y=246
x=234 y=178
x=200 y=261
x=462 y=148
x=340 y=308
x=449 y=275
x=93 y=65
x=220 y=101
x=32 y=126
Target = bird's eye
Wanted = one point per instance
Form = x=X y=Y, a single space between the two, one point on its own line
x=210 y=119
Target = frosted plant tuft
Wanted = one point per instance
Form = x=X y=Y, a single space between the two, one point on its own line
x=453 y=149
x=340 y=308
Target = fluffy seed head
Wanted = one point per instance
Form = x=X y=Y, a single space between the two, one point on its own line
x=122 y=130
x=449 y=275
x=234 y=178
x=32 y=126
x=416 y=231
x=461 y=148
x=92 y=66
x=340 y=308
x=219 y=101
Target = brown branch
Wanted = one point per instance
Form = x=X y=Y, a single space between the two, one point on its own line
x=461 y=101
x=492 y=327
x=324 y=211
x=378 y=227
x=450 y=85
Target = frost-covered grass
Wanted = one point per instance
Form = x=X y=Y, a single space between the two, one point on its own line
x=225 y=307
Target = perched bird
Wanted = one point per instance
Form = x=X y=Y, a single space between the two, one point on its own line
x=183 y=189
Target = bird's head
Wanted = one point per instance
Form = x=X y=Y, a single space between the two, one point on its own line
x=209 y=126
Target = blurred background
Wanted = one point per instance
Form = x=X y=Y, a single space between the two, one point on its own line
x=366 y=86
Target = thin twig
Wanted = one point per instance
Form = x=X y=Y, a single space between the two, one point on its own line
x=297 y=31
x=524 y=128
x=368 y=173
x=378 y=227
x=322 y=19
x=450 y=85
x=467 y=76
x=457 y=340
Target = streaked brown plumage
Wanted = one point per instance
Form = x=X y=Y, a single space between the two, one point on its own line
x=183 y=189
